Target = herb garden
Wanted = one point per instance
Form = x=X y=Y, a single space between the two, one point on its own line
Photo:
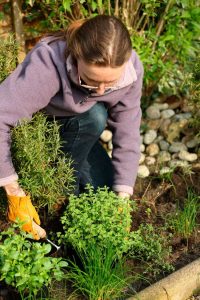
x=109 y=247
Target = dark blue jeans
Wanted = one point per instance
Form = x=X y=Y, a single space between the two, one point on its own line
x=80 y=134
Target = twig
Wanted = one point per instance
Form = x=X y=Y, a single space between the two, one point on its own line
x=162 y=22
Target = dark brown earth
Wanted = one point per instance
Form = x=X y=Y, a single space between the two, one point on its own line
x=156 y=198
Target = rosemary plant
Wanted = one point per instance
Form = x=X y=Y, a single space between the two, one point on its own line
x=44 y=171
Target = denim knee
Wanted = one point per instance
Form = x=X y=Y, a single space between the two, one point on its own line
x=95 y=119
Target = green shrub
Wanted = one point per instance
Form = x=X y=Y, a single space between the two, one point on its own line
x=151 y=248
x=97 y=217
x=8 y=56
x=193 y=84
x=44 y=171
x=24 y=264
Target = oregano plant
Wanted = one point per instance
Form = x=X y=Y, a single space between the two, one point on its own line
x=96 y=217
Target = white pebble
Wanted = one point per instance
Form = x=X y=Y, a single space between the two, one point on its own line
x=150 y=136
x=164 y=145
x=143 y=171
x=164 y=156
x=176 y=147
x=185 y=155
x=165 y=170
x=153 y=112
x=110 y=145
x=161 y=106
x=168 y=113
x=192 y=143
x=106 y=136
x=142 y=148
x=110 y=153
x=142 y=158
x=150 y=160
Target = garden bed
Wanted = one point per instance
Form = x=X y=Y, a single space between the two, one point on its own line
x=157 y=200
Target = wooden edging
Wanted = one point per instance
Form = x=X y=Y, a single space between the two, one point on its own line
x=180 y=285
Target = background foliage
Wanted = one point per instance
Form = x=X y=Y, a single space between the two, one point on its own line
x=164 y=33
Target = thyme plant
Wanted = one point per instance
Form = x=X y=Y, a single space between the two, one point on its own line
x=44 y=171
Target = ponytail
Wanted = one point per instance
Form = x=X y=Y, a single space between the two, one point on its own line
x=73 y=28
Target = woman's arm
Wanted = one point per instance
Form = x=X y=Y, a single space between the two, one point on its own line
x=27 y=90
x=124 y=121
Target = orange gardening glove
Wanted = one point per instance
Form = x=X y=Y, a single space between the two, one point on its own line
x=22 y=208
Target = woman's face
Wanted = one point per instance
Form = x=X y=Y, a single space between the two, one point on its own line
x=99 y=77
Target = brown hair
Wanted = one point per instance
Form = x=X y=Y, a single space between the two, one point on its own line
x=102 y=40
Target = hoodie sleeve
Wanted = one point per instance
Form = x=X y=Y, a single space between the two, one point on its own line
x=124 y=121
x=27 y=90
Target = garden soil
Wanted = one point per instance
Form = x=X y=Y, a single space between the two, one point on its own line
x=156 y=198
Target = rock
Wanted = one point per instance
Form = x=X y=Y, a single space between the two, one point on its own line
x=182 y=116
x=110 y=153
x=142 y=158
x=185 y=155
x=168 y=113
x=164 y=145
x=142 y=148
x=161 y=106
x=152 y=149
x=186 y=106
x=173 y=102
x=175 y=129
x=186 y=138
x=150 y=136
x=110 y=145
x=141 y=139
x=164 y=127
x=153 y=112
x=178 y=163
x=158 y=139
x=154 y=124
x=175 y=155
x=192 y=143
x=150 y=160
x=164 y=156
x=176 y=147
x=165 y=170
x=106 y=136
x=143 y=171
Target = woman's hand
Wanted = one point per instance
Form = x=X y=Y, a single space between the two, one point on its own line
x=14 y=189
x=20 y=207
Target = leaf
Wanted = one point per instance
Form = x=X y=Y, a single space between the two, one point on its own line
x=63 y=263
x=67 y=5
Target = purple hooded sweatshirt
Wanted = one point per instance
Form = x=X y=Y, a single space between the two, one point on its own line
x=46 y=81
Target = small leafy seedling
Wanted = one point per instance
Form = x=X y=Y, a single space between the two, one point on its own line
x=25 y=264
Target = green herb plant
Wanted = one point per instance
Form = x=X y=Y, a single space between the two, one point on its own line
x=24 y=264
x=152 y=248
x=100 y=275
x=44 y=171
x=95 y=217
x=8 y=56
x=184 y=221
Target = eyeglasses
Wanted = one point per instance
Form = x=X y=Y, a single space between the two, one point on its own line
x=89 y=87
